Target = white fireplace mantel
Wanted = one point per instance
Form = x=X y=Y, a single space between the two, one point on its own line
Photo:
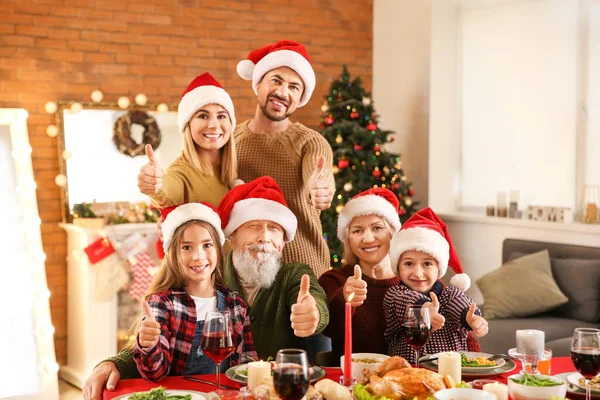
x=92 y=325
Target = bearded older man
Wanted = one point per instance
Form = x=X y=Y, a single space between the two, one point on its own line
x=258 y=223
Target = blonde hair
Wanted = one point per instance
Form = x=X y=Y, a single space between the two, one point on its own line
x=172 y=274
x=191 y=154
x=349 y=256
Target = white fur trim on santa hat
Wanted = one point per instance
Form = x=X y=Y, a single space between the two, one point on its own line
x=262 y=209
x=461 y=281
x=195 y=99
x=282 y=58
x=420 y=239
x=189 y=212
x=366 y=205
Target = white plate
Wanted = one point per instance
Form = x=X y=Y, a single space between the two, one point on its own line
x=315 y=372
x=499 y=363
x=573 y=379
x=195 y=395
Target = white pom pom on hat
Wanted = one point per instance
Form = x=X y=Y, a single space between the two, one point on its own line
x=245 y=69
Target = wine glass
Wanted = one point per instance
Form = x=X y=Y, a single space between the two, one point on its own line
x=216 y=341
x=290 y=375
x=417 y=327
x=585 y=353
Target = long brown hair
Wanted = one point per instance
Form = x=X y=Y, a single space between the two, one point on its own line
x=172 y=274
x=227 y=154
x=349 y=257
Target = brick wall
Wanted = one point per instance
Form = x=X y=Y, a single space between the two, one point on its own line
x=63 y=50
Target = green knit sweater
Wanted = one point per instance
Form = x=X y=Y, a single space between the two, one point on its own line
x=269 y=315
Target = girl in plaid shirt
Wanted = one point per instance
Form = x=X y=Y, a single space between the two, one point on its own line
x=184 y=290
x=420 y=254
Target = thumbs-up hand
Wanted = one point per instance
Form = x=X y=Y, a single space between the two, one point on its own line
x=355 y=284
x=305 y=314
x=150 y=176
x=476 y=322
x=437 y=319
x=149 y=331
x=320 y=187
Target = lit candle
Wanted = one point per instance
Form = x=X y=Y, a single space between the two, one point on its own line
x=530 y=342
x=499 y=389
x=258 y=371
x=449 y=364
x=348 y=340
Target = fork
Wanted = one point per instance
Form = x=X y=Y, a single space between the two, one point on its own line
x=499 y=356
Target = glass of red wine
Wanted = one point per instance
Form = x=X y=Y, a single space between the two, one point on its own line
x=290 y=375
x=216 y=342
x=585 y=353
x=417 y=328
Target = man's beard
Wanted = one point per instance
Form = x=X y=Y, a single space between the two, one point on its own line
x=267 y=112
x=261 y=270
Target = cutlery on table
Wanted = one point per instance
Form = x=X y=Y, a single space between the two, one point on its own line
x=194 y=379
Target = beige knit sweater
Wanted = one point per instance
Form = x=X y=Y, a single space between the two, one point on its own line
x=289 y=157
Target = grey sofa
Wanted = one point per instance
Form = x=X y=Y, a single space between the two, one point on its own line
x=576 y=270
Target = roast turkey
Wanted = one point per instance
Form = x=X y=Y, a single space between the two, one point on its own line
x=396 y=379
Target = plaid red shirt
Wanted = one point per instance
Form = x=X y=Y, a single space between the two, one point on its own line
x=175 y=311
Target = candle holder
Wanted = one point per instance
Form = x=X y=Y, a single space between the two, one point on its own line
x=529 y=362
x=348 y=382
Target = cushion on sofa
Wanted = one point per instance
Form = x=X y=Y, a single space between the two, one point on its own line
x=521 y=287
x=579 y=280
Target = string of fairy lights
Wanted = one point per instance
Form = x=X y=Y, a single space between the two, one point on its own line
x=97 y=97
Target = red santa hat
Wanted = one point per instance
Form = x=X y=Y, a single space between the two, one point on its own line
x=284 y=53
x=260 y=199
x=203 y=90
x=426 y=232
x=174 y=217
x=378 y=201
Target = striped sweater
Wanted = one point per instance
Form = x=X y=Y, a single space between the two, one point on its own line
x=453 y=336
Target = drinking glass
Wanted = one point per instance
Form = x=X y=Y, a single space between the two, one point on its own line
x=216 y=342
x=290 y=375
x=416 y=326
x=585 y=353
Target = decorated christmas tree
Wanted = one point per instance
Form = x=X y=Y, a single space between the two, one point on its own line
x=349 y=123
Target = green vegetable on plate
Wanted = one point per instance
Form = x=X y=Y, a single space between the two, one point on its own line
x=159 y=393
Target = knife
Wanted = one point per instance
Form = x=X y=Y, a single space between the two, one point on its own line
x=193 y=379
x=429 y=357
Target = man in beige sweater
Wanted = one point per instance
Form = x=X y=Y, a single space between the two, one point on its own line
x=297 y=157
x=292 y=154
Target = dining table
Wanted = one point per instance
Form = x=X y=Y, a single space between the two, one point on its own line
x=125 y=386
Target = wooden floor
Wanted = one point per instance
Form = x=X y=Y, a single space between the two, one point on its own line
x=68 y=392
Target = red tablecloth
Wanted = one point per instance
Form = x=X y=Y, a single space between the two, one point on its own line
x=559 y=365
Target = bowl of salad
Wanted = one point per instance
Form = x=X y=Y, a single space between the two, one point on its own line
x=364 y=363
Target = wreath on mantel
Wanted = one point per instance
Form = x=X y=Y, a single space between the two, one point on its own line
x=122 y=133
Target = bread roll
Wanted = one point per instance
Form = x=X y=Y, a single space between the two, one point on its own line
x=331 y=390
